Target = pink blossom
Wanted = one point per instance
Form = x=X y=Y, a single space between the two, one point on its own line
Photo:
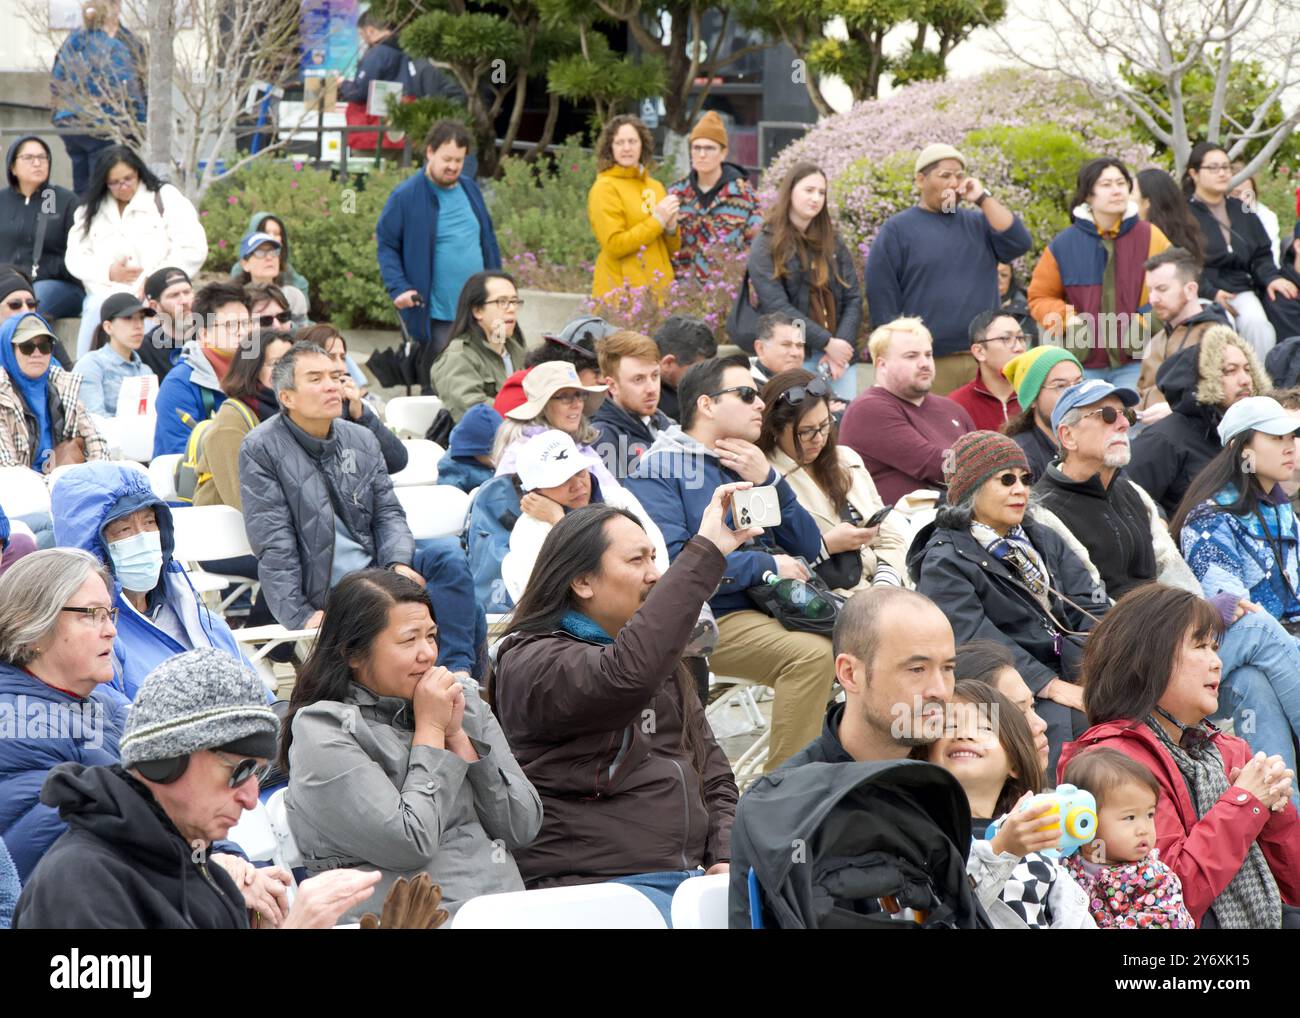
x=221 y=244
x=293 y=184
x=233 y=200
x=297 y=167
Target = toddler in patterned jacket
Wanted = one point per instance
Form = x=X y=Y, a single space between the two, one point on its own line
x=1128 y=887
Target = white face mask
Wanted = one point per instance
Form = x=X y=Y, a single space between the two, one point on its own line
x=137 y=560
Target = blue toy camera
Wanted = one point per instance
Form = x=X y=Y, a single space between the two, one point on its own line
x=1074 y=809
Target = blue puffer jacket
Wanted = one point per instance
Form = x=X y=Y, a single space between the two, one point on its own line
x=492 y=517
x=675 y=482
x=82 y=502
x=28 y=750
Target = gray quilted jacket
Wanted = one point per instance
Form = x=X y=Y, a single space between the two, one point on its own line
x=292 y=486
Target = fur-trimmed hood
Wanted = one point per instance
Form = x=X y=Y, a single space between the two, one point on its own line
x=1195 y=375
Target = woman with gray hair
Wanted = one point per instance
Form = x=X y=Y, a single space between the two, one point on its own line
x=57 y=626
x=999 y=574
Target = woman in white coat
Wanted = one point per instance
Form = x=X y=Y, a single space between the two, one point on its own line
x=129 y=224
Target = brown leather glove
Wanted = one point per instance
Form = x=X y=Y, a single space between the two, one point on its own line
x=72 y=450
x=409 y=905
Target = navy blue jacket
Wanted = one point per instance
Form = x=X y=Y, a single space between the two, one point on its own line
x=406 y=235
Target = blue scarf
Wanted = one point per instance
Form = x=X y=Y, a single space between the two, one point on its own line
x=577 y=624
x=33 y=392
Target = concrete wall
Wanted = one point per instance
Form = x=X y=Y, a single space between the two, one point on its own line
x=25 y=108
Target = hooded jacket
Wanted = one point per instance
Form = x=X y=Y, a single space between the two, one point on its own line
x=290 y=275
x=83 y=502
x=180 y=404
x=984 y=600
x=1204 y=852
x=624 y=437
x=729 y=216
x=1167 y=342
x=792 y=292
x=620 y=796
x=294 y=489
x=40 y=728
x=634 y=249
x=39 y=222
x=68 y=418
x=469 y=371
x=406 y=236
x=1070 y=277
x=675 y=482
x=122 y=865
x=1167 y=455
x=1246 y=265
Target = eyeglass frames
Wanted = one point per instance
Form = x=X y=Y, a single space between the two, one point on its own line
x=795 y=395
x=745 y=393
x=30 y=346
x=1109 y=415
x=244 y=769
x=1010 y=478
x=18 y=303
x=98 y=614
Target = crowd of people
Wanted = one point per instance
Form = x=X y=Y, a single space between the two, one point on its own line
x=1053 y=542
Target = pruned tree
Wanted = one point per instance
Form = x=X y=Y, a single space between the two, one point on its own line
x=1146 y=56
x=596 y=74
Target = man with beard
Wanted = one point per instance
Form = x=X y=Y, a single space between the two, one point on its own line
x=894 y=657
x=899 y=428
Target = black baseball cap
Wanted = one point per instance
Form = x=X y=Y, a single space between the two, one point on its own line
x=123 y=305
x=163 y=278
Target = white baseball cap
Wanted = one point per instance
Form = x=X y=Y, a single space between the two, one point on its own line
x=548 y=460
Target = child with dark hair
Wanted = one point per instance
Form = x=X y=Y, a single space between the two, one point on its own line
x=1128 y=887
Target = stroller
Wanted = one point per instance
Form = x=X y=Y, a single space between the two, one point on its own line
x=878 y=845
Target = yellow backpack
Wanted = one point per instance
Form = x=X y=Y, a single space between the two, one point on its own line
x=187 y=477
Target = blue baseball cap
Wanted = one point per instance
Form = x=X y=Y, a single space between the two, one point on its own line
x=252 y=241
x=1256 y=413
x=1087 y=392
x=475 y=433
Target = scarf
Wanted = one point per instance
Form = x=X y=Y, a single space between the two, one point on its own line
x=264 y=404
x=220 y=361
x=1252 y=899
x=576 y=624
x=1020 y=556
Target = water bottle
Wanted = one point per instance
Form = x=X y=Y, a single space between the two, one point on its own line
x=798 y=593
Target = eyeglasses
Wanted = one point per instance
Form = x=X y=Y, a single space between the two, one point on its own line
x=1109 y=415
x=798 y=393
x=1060 y=385
x=34 y=157
x=30 y=346
x=1009 y=479
x=569 y=396
x=244 y=769
x=507 y=303
x=98 y=615
x=120 y=185
x=1216 y=167
x=746 y=393
x=265 y=251
x=266 y=321
x=811 y=434
x=18 y=303
x=705 y=150
x=1015 y=339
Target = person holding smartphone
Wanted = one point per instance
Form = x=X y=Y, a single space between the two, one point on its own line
x=862 y=544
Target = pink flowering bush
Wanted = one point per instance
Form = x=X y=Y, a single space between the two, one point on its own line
x=1023 y=134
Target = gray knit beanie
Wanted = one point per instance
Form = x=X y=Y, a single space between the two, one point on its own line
x=202 y=699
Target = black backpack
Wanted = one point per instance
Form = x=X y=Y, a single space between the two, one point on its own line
x=854 y=846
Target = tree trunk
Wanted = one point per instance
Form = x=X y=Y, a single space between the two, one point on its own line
x=548 y=129
x=162 y=67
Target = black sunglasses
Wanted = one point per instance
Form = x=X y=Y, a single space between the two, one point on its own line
x=1109 y=415
x=746 y=393
x=30 y=346
x=266 y=321
x=248 y=768
x=1008 y=479
x=18 y=303
x=797 y=394
x=1192 y=738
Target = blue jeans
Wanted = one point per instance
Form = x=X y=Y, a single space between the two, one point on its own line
x=462 y=626
x=1125 y=376
x=90 y=306
x=659 y=887
x=847 y=386
x=83 y=150
x=1261 y=685
x=59 y=298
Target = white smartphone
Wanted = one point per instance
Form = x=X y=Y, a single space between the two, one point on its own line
x=756 y=507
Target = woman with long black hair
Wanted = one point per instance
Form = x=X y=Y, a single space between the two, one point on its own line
x=128 y=225
x=487 y=344
x=1162 y=204
x=393 y=762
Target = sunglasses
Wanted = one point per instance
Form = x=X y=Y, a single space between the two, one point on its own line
x=266 y=321
x=794 y=396
x=245 y=769
x=1109 y=415
x=746 y=393
x=1010 y=478
x=569 y=396
x=31 y=346
x=1192 y=738
x=18 y=303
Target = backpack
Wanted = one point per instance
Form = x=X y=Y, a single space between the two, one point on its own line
x=421 y=80
x=187 y=478
x=876 y=845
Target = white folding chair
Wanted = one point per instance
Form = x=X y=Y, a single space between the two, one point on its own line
x=162 y=475
x=700 y=903
x=206 y=533
x=410 y=416
x=255 y=835
x=585 y=907
x=23 y=492
x=135 y=437
x=422 y=458
x=434 y=510
x=287 y=854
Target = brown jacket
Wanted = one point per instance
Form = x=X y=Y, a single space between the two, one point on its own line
x=1167 y=342
x=15 y=441
x=598 y=731
x=219 y=456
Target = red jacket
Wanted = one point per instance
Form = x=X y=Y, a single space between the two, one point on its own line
x=987 y=411
x=1205 y=853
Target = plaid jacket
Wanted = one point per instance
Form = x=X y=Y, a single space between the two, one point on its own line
x=15 y=445
x=731 y=217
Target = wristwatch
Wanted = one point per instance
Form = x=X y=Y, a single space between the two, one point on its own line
x=983 y=197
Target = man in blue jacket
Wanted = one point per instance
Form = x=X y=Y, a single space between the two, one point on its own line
x=434 y=233
x=721 y=417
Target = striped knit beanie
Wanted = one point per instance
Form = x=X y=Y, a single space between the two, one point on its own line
x=977 y=456
x=1028 y=371
x=202 y=699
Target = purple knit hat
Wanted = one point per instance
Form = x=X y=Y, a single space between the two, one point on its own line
x=974 y=458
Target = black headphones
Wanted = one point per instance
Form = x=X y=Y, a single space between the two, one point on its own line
x=165 y=771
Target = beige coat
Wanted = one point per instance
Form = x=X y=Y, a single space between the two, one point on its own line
x=890 y=544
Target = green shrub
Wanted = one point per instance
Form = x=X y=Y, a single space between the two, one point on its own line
x=541 y=207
